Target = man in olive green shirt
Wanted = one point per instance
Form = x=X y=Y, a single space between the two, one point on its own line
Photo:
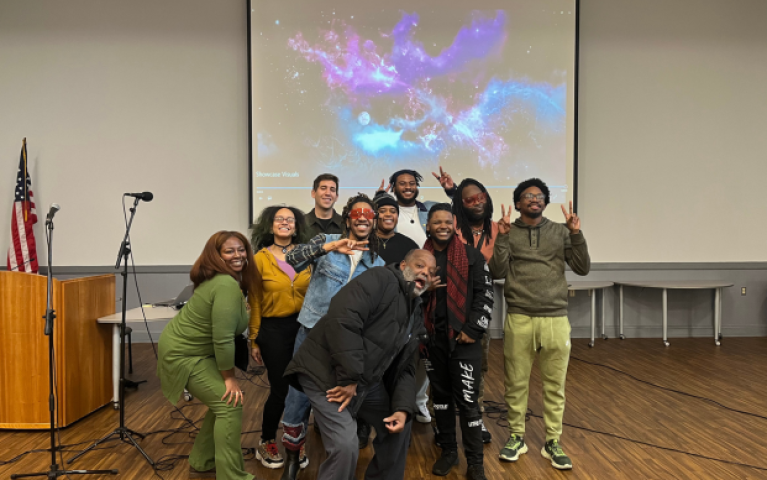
x=531 y=254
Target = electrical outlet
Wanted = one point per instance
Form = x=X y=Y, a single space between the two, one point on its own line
x=743 y=291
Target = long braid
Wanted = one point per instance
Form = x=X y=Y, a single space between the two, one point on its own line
x=372 y=237
x=462 y=218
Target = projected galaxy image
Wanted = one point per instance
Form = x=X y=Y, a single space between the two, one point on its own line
x=362 y=93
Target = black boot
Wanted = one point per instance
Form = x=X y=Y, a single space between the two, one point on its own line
x=445 y=463
x=291 y=467
x=363 y=433
x=476 y=472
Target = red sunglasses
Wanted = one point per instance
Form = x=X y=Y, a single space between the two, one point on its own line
x=481 y=197
x=362 y=212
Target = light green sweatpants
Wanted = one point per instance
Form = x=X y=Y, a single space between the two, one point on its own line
x=218 y=443
x=525 y=336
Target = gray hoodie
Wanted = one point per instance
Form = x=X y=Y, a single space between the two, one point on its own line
x=532 y=260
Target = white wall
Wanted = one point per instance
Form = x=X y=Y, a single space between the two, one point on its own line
x=126 y=96
x=673 y=130
x=152 y=95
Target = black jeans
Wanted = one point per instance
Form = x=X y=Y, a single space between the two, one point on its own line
x=276 y=339
x=455 y=378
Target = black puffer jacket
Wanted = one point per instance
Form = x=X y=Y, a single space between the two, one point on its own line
x=370 y=334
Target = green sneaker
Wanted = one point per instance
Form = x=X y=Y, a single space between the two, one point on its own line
x=513 y=448
x=554 y=452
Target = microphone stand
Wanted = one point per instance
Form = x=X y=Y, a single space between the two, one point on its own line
x=50 y=316
x=122 y=433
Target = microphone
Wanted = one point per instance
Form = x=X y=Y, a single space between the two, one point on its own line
x=54 y=208
x=145 y=196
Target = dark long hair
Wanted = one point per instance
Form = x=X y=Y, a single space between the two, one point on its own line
x=462 y=218
x=209 y=264
x=372 y=238
x=263 y=236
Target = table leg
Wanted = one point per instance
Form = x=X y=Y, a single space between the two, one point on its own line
x=602 y=299
x=665 y=317
x=620 y=310
x=116 y=365
x=717 y=316
x=593 y=294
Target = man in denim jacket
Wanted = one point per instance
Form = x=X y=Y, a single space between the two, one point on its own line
x=335 y=260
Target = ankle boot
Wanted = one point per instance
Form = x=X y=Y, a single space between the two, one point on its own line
x=291 y=466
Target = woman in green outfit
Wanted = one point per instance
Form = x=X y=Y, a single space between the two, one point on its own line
x=197 y=352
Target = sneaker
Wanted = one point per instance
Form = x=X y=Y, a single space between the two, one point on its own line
x=269 y=455
x=476 y=472
x=303 y=460
x=552 y=451
x=513 y=448
x=445 y=463
x=422 y=415
x=486 y=436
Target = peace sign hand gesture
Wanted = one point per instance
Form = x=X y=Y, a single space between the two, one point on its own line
x=381 y=188
x=572 y=220
x=444 y=179
x=504 y=224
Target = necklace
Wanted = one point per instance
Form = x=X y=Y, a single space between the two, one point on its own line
x=411 y=214
x=283 y=247
x=477 y=232
x=384 y=241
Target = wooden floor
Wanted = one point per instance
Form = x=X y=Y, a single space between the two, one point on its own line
x=599 y=399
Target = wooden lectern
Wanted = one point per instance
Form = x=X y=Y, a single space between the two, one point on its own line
x=83 y=348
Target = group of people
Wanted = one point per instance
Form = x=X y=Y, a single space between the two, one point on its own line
x=355 y=315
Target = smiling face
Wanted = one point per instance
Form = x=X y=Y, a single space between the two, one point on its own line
x=532 y=203
x=284 y=225
x=440 y=227
x=326 y=194
x=406 y=190
x=387 y=219
x=233 y=254
x=360 y=228
x=418 y=269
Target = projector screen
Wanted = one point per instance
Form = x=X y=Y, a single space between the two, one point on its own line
x=361 y=89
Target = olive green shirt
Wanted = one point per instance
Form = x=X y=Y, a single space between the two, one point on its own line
x=204 y=328
x=532 y=260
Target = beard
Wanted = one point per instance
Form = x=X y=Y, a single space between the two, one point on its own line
x=410 y=276
x=535 y=214
x=473 y=217
x=402 y=201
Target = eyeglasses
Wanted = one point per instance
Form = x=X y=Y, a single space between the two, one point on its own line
x=289 y=220
x=529 y=196
x=362 y=212
x=481 y=197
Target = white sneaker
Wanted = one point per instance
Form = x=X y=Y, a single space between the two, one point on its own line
x=422 y=415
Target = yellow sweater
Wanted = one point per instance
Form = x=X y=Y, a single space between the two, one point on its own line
x=281 y=297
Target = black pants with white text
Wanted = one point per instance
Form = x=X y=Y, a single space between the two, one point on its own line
x=455 y=378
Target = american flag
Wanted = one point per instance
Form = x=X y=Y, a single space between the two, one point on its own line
x=22 y=254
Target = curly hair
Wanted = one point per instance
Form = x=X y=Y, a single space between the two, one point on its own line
x=416 y=175
x=372 y=238
x=462 y=218
x=531 y=182
x=209 y=264
x=263 y=236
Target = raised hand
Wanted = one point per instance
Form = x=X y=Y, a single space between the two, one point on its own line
x=381 y=188
x=444 y=179
x=572 y=220
x=435 y=281
x=504 y=224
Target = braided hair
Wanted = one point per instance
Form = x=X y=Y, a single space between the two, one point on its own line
x=372 y=238
x=462 y=217
x=413 y=173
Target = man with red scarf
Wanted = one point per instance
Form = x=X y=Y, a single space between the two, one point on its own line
x=456 y=316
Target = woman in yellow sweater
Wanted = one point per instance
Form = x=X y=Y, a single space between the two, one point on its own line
x=274 y=315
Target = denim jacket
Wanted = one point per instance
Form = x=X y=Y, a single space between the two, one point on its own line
x=330 y=273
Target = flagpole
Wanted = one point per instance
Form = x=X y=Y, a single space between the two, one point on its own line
x=24 y=154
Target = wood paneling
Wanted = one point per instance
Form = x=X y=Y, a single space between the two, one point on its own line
x=597 y=398
x=82 y=348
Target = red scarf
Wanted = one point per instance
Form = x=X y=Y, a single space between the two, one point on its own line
x=457 y=283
